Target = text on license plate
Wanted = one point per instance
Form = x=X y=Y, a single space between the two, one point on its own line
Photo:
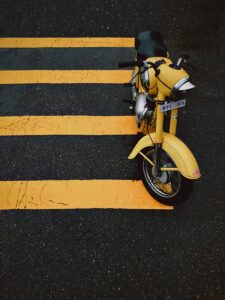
x=172 y=105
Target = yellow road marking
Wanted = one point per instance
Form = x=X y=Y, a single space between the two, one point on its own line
x=68 y=125
x=65 y=76
x=64 y=194
x=65 y=42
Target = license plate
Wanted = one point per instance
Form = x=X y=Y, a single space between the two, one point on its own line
x=172 y=105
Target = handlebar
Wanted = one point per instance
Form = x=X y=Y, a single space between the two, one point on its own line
x=147 y=65
x=144 y=64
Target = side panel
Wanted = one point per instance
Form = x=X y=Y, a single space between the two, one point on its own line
x=182 y=156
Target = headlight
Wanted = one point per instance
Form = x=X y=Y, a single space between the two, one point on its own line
x=181 y=89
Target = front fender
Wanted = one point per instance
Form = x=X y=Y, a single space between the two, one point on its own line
x=179 y=152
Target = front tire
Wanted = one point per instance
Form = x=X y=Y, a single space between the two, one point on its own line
x=171 y=188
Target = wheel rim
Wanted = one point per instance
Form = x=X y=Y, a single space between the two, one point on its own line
x=168 y=185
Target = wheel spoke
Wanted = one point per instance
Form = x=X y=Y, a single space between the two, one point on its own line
x=168 y=184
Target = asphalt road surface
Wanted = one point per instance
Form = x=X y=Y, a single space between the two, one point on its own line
x=113 y=254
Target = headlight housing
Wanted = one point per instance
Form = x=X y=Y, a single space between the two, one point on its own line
x=181 y=89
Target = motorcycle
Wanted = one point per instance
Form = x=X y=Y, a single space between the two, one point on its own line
x=160 y=87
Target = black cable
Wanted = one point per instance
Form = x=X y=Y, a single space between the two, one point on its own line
x=134 y=76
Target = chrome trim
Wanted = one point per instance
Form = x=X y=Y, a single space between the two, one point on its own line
x=184 y=84
x=145 y=80
x=187 y=86
x=140 y=107
x=180 y=83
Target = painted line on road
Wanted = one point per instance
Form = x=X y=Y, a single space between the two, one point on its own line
x=65 y=76
x=66 y=42
x=67 y=125
x=73 y=194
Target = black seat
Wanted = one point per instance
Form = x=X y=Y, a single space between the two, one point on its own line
x=150 y=44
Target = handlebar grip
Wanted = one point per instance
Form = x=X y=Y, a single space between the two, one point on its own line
x=127 y=64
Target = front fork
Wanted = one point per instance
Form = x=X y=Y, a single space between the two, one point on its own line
x=159 y=132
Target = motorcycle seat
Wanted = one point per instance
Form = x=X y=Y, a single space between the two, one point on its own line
x=150 y=44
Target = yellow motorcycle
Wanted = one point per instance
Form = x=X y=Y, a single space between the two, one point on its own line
x=160 y=87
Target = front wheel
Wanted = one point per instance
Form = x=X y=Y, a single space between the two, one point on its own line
x=170 y=188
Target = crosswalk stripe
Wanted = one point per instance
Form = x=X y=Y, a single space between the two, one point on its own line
x=66 y=42
x=65 y=76
x=68 y=125
x=71 y=194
